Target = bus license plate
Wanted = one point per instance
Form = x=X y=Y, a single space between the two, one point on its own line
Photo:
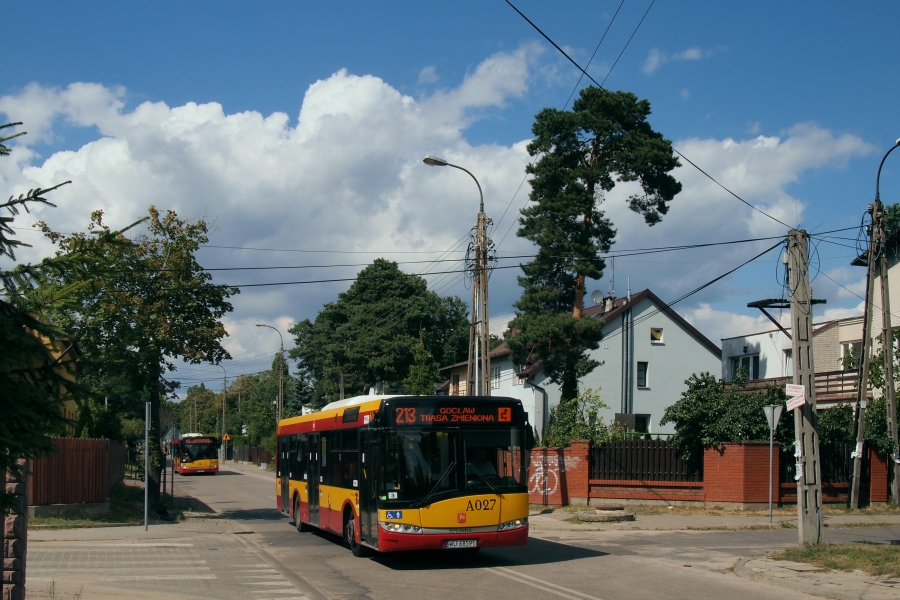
x=461 y=544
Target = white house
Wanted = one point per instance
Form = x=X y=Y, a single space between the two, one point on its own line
x=647 y=352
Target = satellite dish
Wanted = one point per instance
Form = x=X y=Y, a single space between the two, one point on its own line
x=596 y=296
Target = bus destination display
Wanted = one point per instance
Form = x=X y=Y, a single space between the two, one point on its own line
x=196 y=441
x=449 y=415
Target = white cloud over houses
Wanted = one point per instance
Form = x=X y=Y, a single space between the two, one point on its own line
x=343 y=182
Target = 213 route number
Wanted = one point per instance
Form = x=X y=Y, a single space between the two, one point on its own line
x=406 y=415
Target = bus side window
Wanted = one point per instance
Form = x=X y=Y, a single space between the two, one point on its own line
x=350 y=455
x=323 y=458
x=302 y=456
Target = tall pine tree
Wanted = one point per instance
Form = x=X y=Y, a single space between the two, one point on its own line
x=583 y=153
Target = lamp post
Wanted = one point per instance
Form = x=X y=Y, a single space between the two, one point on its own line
x=280 y=404
x=773 y=414
x=478 y=371
x=224 y=404
x=887 y=334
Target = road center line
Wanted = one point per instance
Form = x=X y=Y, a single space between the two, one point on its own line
x=563 y=591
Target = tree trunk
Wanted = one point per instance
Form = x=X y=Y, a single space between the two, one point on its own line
x=569 y=388
x=578 y=305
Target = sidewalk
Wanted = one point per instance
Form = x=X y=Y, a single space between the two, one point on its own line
x=557 y=521
x=808 y=579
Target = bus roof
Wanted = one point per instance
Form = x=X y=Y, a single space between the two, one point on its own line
x=364 y=408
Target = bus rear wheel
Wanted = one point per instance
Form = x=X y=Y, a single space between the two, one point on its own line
x=350 y=538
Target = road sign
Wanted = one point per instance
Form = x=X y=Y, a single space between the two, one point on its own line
x=793 y=390
x=226 y=438
x=796 y=402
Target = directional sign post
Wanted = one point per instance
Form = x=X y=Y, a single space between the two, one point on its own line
x=773 y=414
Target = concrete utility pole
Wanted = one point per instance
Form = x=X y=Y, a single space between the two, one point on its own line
x=478 y=369
x=482 y=246
x=863 y=385
x=809 y=486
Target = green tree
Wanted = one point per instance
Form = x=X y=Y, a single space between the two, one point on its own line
x=876 y=413
x=33 y=383
x=149 y=303
x=712 y=411
x=370 y=334
x=422 y=373
x=583 y=153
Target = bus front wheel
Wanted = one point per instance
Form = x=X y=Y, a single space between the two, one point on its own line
x=350 y=538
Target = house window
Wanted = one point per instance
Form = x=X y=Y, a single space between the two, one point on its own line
x=495 y=378
x=517 y=379
x=850 y=353
x=642 y=374
x=656 y=336
x=454 y=385
x=642 y=423
x=749 y=364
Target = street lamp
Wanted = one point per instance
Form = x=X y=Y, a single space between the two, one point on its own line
x=224 y=404
x=279 y=407
x=479 y=297
x=886 y=335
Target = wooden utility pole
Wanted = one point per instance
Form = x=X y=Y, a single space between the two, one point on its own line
x=809 y=486
x=862 y=387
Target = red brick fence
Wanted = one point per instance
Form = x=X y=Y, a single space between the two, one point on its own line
x=733 y=475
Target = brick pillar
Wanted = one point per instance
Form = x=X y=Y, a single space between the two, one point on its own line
x=577 y=472
x=738 y=474
x=15 y=537
x=878 y=477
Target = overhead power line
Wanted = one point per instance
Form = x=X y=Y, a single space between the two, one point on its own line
x=675 y=150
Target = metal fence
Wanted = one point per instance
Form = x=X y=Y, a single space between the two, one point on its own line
x=643 y=460
x=835 y=463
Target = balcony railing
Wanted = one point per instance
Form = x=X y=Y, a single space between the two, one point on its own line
x=831 y=386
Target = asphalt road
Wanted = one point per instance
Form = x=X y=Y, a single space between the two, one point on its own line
x=579 y=565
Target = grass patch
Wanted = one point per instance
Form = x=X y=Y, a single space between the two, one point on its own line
x=126 y=504
x=874 y=559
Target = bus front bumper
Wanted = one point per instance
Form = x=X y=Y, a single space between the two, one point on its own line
x=391 y=542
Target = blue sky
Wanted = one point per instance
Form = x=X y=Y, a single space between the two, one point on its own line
x=197 y=107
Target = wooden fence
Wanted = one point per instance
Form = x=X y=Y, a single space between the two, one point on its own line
x=642 y=460
x=80 y=470
x=251 y=454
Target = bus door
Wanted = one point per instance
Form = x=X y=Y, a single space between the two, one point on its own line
x=284 y=470
x=368 y=511
x=313 y=479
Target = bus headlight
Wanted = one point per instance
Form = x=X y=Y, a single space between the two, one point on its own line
x=400 y=527
x=513 y=524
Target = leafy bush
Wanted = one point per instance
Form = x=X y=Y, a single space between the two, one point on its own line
x=579 y=419
x=712 y=411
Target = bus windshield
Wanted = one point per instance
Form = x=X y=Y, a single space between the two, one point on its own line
x=436 y=463
x=192 y=450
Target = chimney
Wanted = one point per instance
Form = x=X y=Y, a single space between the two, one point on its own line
x=608 y=303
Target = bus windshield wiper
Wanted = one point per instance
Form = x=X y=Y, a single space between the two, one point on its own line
x=428 y=496
x=483 y=478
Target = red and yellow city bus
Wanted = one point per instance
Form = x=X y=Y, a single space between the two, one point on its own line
x=408 y=472
x=196 y=453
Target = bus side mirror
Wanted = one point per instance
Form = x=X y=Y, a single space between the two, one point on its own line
x=529 y=437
